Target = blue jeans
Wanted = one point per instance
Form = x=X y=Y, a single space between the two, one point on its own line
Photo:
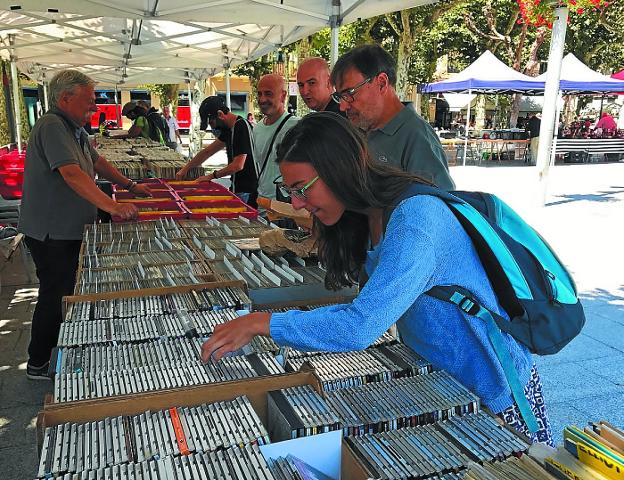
x=244 y=197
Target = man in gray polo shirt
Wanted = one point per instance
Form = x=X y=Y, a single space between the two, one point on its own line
x=365 y=78
x=59 y=197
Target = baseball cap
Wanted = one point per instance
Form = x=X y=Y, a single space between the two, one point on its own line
x=128 y=107
x=209 y=108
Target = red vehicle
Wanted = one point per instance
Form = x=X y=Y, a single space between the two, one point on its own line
x=112 y=113
x=105 y=100
x=183 y=115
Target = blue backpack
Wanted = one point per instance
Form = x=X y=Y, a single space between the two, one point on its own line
x=530 y=282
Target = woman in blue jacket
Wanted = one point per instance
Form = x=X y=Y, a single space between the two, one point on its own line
x=326 y=170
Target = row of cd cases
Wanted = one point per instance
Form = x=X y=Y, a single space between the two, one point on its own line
x=133 y=346
x=416 y=446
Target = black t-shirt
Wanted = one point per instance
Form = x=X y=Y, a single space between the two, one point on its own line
x=332 y=106
x=534 y=127
x=246 y=180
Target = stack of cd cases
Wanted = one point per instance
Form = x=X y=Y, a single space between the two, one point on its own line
x=351 y=369
x=191 y=301
x=139 y=329
x=177 y=431
x=299 y=412
x=402 y=402
x=236 y=463
x=438 y=449
x=109 y=370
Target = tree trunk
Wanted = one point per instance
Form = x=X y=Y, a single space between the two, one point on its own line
x=303 y=51
x=515 y=110
x=5 y=105
x=406 y=45
x=480 y=112
x=569 y=109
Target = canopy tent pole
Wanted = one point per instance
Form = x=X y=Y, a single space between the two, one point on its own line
x=334 y=23
x=228 y=102
x=551 y=88
x=16 y=105
x=553 y=149
x=467 y=127
x=495 y=116
x=45 y=95
x=117 y=112
x=188 y=89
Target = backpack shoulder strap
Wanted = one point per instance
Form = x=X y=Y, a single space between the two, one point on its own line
x=414 y=190
x=466 y=302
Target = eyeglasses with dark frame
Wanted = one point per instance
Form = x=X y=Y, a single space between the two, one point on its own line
x=298 y=193
x=348 y=94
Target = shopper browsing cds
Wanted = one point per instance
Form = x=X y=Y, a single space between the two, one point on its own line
x=60 y=197
x=326 y=170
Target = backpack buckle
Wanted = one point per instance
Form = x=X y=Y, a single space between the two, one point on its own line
x=466 y=303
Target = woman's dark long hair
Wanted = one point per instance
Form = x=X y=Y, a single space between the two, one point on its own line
x=338 y=153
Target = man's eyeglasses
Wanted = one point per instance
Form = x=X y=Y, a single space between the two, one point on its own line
x=348 y=95
x=298 y=193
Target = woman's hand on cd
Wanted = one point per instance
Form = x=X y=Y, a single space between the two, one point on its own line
x=235 y=334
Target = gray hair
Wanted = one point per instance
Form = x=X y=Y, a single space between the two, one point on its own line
x=67 y=81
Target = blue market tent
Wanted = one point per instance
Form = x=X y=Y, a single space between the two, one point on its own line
x=487 y=74
x=576 y=77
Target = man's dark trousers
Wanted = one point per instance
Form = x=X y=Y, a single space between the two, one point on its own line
x=56 y=262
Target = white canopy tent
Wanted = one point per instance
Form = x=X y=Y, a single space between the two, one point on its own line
x=161 y=41
x=576 y=77
x=165 y=41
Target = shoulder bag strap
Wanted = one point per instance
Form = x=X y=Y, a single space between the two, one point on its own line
x=268 y=154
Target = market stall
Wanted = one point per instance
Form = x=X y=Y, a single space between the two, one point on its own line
x=486 y=75
x=577 y=78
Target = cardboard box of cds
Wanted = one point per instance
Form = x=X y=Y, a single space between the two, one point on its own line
x=108 y=425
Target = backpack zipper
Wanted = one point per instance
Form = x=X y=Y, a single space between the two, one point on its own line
x=551 y=285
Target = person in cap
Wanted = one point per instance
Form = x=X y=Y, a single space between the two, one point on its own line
x=235 y=135
x=142 y=126
x=315 y=87
x=365 y=80
x=59 y=198
x=136 y=113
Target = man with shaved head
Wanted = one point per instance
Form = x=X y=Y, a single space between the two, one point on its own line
x=315 y=87
x=272 y=95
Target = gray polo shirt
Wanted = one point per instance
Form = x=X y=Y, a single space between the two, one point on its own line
x=50 y=208
x=408 y=142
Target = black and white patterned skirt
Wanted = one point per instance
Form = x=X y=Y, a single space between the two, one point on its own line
x=533 y=393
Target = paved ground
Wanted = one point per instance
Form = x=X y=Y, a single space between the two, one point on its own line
x=583 y=221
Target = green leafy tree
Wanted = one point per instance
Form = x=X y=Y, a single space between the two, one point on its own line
x=597 y=37
x=7 y=102
x=254 y=71
x=167 y=94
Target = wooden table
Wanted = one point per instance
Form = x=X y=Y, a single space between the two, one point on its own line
x=482 y=149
